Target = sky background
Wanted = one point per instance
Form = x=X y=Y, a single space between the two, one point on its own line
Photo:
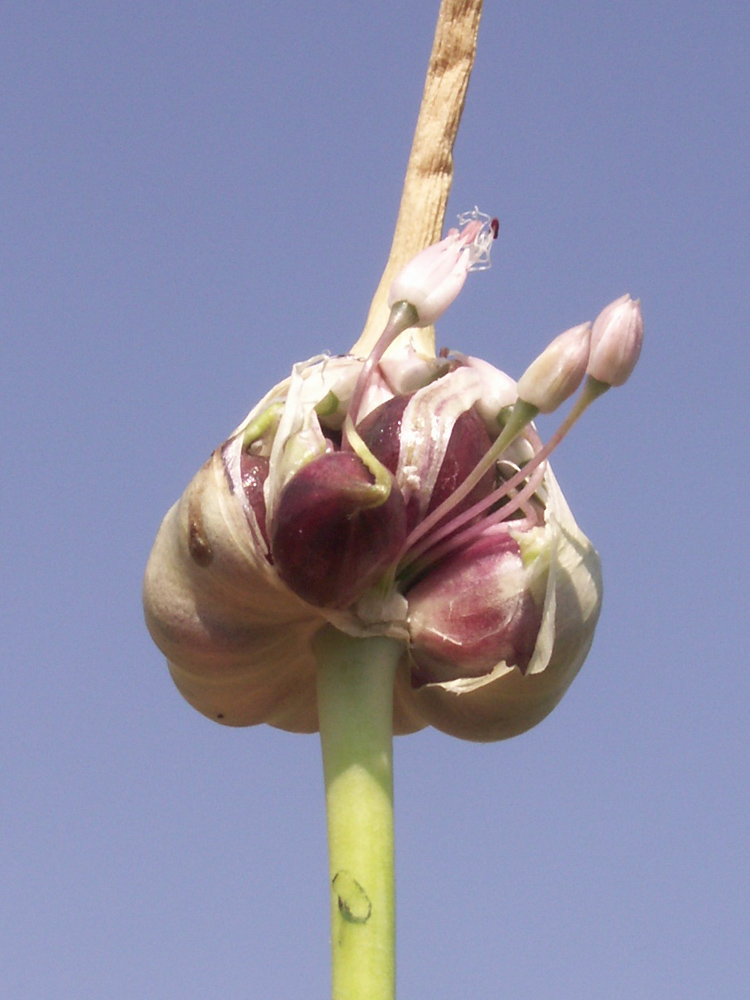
x=196 y=195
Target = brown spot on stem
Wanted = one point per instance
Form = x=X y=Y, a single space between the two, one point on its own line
x=354 y=903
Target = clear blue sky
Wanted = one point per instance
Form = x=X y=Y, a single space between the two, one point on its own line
x=194 y=196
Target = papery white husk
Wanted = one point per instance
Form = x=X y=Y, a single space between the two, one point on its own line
x=238 y=641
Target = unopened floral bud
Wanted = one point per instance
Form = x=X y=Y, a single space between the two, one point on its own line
x=432 y=280
x=616 y=341
x=558 y=371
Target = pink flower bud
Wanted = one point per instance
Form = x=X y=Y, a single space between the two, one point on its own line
x=557 y=372
x=433 y=279
x=616 y=341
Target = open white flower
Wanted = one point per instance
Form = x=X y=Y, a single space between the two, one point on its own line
x=433 y=279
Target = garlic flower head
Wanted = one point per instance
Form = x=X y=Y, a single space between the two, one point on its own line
x=396 y=495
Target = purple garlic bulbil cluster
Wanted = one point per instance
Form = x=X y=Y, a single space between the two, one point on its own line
x=395 y=494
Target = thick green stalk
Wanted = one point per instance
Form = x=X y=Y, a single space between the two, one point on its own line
x=355 y=707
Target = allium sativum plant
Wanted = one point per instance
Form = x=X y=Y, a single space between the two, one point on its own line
x=396 y=495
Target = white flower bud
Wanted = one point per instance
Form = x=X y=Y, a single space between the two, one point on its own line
x=557 y=372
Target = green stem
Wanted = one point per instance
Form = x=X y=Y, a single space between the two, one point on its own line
x=355 y=708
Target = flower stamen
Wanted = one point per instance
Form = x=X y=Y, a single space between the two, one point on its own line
x=416 y=557
x=478 y=232
x=520 y=416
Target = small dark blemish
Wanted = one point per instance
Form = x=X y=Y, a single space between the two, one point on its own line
x=198 y=545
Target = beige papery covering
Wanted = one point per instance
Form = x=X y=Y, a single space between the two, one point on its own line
x=238 y=641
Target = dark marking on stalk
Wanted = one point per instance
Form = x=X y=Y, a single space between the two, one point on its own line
x=354 y=903
x=495 y=227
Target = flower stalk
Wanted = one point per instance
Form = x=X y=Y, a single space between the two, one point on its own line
x=355 y=704
x=381 y=544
